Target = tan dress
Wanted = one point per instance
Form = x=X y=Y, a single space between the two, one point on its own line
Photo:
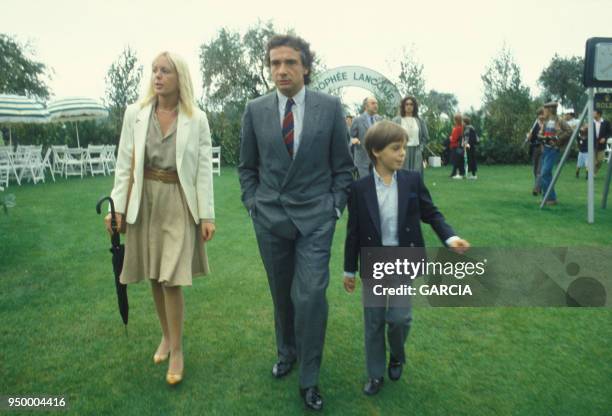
x=164 y=244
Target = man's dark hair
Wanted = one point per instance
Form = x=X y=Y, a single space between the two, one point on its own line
x=294 y=42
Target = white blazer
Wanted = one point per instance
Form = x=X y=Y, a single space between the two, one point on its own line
x=193 y=161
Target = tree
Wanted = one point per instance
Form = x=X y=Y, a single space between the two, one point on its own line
x=562 y=80
x=122 y=85
x=508 y=109
x=411 y=81
x=233 y=66
x=20 y=72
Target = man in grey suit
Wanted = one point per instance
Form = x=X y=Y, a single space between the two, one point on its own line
x=358 y=130
x=295 y=170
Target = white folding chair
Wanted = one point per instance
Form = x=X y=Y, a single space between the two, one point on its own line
x=94 y=159
x=110 y=161
x=59 y=159
x=216 y=160
x=5 y=168
x=608 y=151
x=31 y=165
x=47 y=163
x=75 y=162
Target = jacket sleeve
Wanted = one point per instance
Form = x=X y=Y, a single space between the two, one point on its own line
x=248 y=166
x=204 y=179
x=351 y=243
x=430 y=214
x=340 y=159
x=123 y=167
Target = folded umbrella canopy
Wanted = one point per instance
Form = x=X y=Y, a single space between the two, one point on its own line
x=117 y=249
x=21 y=109
x=76 y=109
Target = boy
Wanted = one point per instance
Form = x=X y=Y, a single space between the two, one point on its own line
x=384 y=210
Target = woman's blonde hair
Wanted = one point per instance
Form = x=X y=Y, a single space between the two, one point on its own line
x=186 y=100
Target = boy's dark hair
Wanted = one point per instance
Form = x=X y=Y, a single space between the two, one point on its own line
x=382 y=134
x=294 y=42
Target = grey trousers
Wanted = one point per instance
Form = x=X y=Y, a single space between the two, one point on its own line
x=298 y=275
x=397 y=322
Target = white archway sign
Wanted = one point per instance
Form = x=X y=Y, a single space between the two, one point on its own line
x=357 y=76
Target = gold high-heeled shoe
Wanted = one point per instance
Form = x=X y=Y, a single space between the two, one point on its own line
x=174 y=379
x=159 y=358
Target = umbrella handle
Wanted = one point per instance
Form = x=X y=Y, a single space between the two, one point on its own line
x=112 y=207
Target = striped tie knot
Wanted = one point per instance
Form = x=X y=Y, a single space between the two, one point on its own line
x=288 y=126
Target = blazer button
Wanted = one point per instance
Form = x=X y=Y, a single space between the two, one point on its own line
x=411 y=244
x=407 y=229
x=369 y=238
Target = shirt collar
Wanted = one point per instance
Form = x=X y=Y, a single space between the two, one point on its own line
x=379 y=180
x=297 y=98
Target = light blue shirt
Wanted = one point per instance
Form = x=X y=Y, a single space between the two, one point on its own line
x=298 y=115
x=387 y=208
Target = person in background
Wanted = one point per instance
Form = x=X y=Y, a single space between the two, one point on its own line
x=583 y=151
x=470 y=139
x=535 y=151
x=555 y=134
x=456 y=150
x=602 y=132
x=417 y=133
x=358 y=130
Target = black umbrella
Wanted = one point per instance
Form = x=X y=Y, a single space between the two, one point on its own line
x=118 y=252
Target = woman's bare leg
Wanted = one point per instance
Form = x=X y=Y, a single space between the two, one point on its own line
x=173 y=297
x=160 y=307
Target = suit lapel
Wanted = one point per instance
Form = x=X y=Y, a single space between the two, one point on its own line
x=274 y=132
x=140 y=133
x=183 y=128
x=309 y=130
x=372 y=203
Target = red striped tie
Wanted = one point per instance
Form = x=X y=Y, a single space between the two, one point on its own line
x=288 y=126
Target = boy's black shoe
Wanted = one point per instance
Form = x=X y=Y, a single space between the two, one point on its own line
x=395 y=369
x=373 y=386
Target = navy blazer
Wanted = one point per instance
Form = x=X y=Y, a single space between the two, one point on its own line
x=414 y=205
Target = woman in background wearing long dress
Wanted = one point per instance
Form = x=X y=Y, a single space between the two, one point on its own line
x=417 y=133
x=170 y=208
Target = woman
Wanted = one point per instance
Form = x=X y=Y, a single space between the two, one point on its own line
x=470 y=140
x=165 y=146
x=417 y=133
x=456 y=149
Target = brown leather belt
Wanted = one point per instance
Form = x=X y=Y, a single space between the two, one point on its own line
x=164 y=176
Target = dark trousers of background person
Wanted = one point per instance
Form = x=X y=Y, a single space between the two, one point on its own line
x=472 y=165
x=457 y=161
x=550 y=156
x=536 y=159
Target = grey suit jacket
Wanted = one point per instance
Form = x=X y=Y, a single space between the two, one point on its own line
x=358 y=129
x=423 y=132
x=305 y=191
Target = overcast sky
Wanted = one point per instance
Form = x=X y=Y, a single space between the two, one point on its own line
x=453 y=40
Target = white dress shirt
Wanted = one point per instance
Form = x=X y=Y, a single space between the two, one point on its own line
x=298 y=114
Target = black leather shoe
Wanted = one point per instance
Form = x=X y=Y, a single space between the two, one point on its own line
x=395 y=369
x=312 y=398
x=281 y=369
x=373 y=386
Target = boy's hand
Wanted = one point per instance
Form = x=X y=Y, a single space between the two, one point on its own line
x=349 y=284
x=460 y=246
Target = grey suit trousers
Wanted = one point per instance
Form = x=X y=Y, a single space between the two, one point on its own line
x=397 y=322
x=298 y=275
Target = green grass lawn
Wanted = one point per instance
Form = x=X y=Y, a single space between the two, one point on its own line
x=61 y=334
